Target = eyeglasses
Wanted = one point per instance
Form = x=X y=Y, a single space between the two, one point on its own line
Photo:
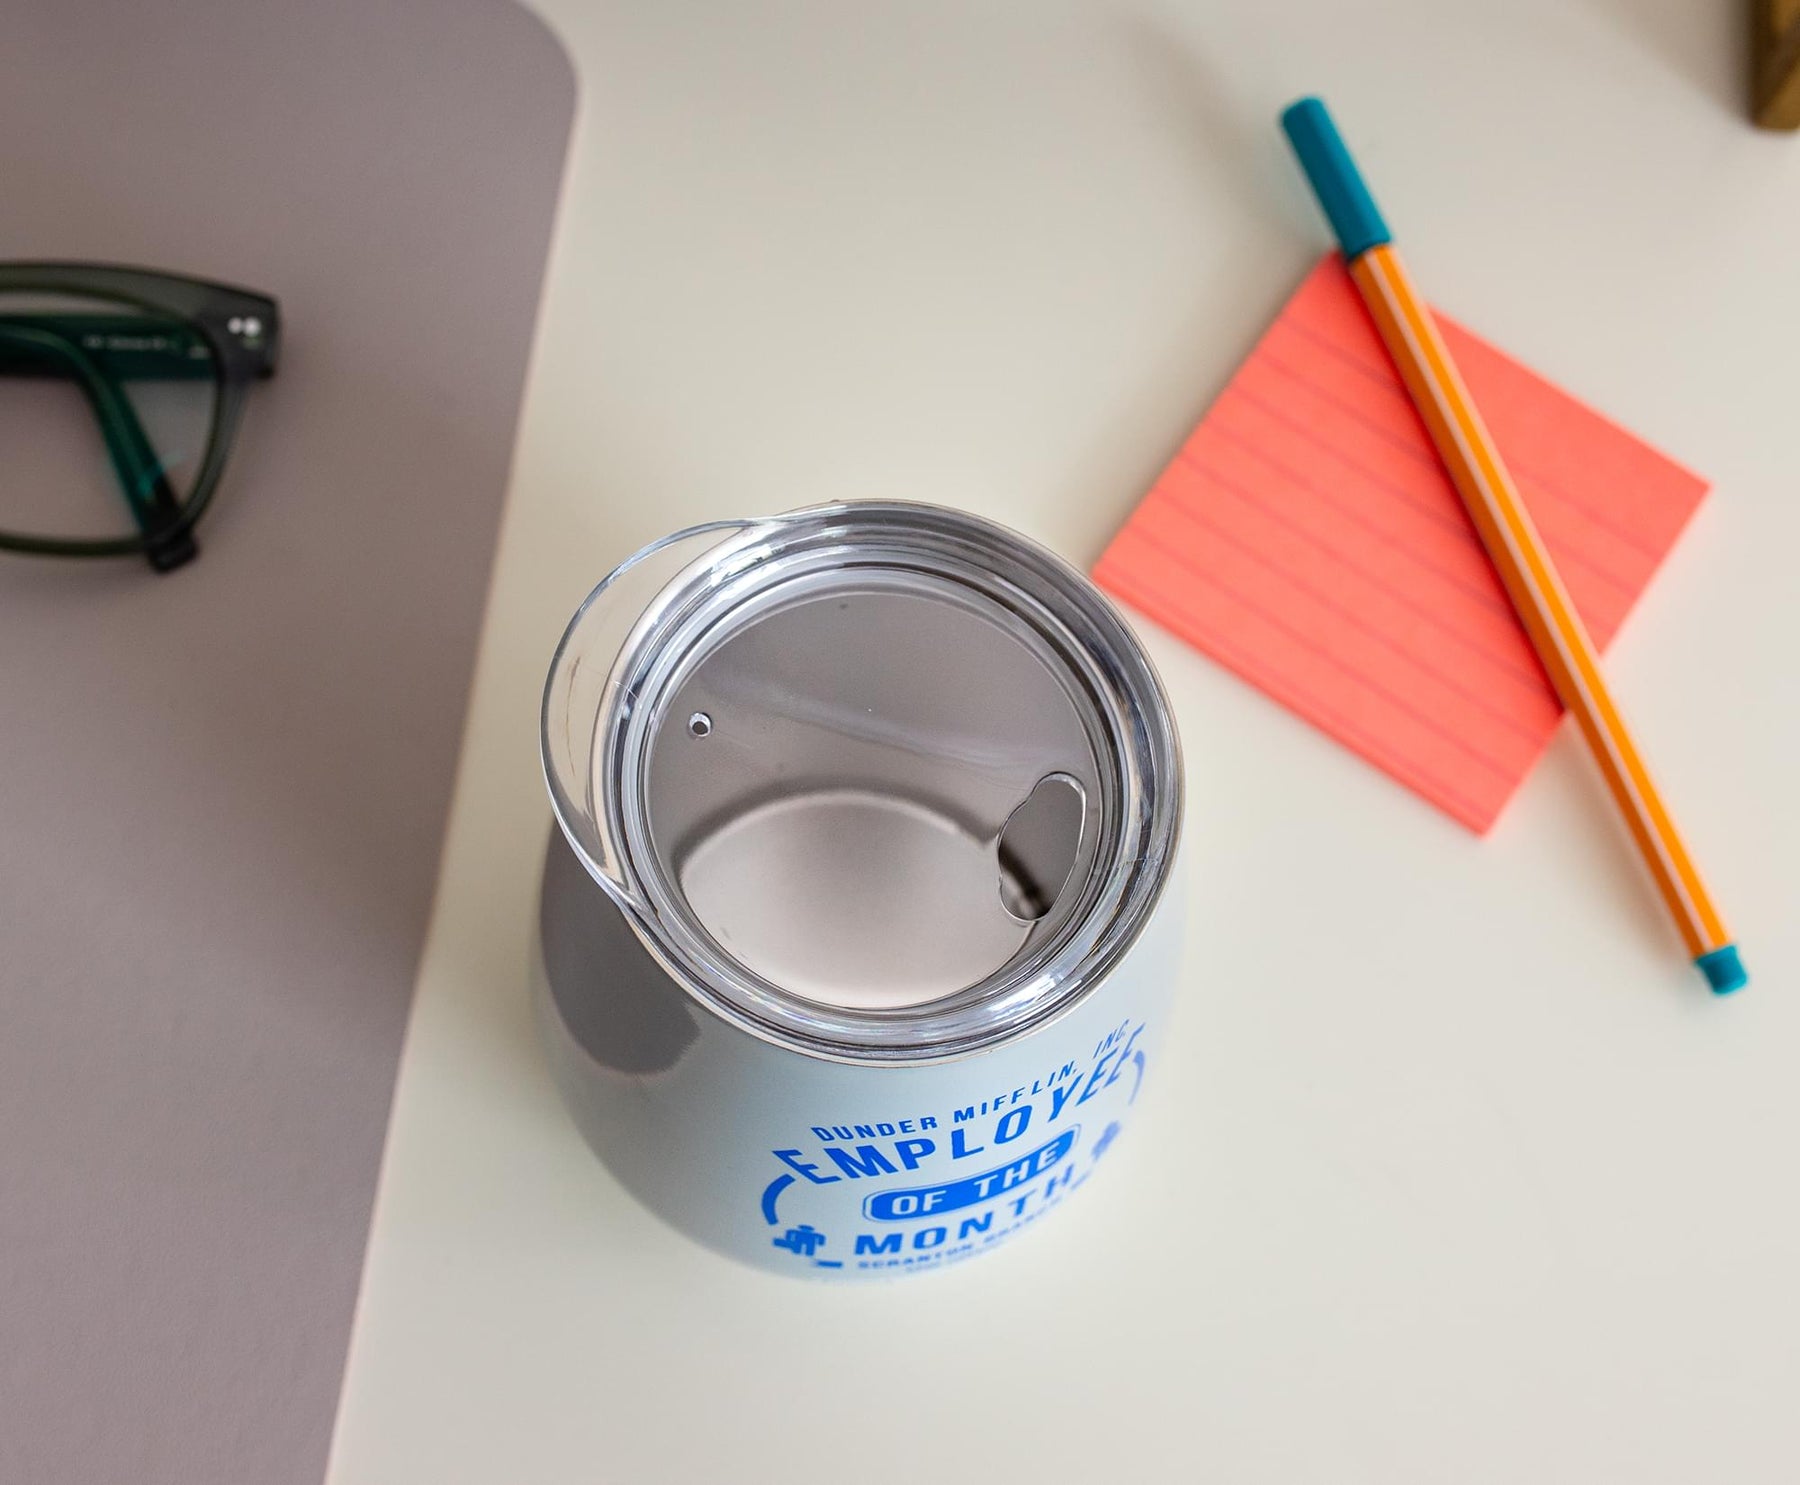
x=159 y=366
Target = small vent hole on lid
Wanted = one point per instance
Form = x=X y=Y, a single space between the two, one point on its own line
x=1038 y=846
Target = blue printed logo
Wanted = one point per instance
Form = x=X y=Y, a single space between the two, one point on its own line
x=925 y=1201
x=805 y=1240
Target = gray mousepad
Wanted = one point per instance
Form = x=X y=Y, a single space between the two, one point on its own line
x=223 y=791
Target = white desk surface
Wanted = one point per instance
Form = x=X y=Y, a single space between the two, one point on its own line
x=1453 y=1170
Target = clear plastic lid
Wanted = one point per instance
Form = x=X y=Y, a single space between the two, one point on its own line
x=877 y=781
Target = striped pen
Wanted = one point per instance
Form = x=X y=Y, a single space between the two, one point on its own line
x=1506 y=531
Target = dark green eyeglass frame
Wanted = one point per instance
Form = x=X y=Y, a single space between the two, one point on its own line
x=184 y=328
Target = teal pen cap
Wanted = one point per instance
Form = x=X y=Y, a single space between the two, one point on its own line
x=1348 y=205
x=1724 y=970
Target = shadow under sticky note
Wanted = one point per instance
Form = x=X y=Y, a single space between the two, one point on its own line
x=1307 y=537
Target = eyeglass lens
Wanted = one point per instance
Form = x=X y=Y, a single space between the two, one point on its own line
x=106 y=411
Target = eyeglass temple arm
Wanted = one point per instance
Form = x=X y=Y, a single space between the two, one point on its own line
x=51 y=345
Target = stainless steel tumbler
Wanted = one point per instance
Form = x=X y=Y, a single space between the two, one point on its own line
x=856 y=938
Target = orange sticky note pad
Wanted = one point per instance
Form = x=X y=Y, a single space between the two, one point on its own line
x=1307 y=537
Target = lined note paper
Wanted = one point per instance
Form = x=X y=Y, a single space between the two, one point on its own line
x=1307 y=537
